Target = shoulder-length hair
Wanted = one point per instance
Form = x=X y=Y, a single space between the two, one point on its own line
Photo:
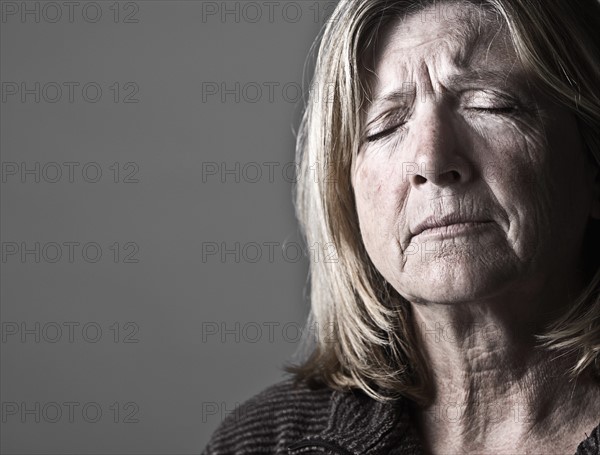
x=362 y=326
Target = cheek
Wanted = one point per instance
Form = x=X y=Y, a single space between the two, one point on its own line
x=378 y=190
x=531 y=180
x=368 y=193
x=376 y=186
x=367 y=185
x=517 y=175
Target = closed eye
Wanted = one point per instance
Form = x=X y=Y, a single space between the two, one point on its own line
x=495 y=110
x=382 y=134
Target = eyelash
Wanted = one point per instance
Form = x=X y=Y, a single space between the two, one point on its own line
x=494 y=111
x=384 y=133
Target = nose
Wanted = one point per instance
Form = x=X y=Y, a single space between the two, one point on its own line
x=439 y=150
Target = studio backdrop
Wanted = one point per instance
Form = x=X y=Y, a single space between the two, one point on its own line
x=153 y=275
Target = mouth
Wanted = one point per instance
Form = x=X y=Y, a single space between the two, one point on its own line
x=449 y=226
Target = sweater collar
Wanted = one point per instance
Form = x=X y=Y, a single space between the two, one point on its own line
x=359 y=424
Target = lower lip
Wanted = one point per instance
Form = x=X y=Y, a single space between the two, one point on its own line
x=455 y=230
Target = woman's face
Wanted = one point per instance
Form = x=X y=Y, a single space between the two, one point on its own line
x=469 y=180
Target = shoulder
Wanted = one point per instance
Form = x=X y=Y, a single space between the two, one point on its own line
x=272 y=420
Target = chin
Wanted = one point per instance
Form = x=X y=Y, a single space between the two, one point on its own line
x=454 y=278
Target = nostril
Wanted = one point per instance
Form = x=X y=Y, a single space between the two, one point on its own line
x=447 y=177
x=454 y=176
x=419 y=180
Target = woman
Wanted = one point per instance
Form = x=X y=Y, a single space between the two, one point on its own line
x=463 y=314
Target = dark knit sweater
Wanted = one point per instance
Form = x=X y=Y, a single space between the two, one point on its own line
x=294 y=419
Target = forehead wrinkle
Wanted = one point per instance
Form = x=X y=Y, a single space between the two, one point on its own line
x=460 y=50
x=409 y=68
x=470 y=33
x=412 y=74
x=378 y=45
x=473 y=35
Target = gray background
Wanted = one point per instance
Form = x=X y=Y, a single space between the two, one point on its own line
x=162 y=371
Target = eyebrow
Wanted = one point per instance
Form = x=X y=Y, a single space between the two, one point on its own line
x=474 y=76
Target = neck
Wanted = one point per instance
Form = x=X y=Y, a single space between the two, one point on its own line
x=491 y=385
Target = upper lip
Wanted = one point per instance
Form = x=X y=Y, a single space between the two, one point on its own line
x=446 y=220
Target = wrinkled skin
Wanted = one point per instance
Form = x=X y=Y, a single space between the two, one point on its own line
x=519 y=165
x=469 y=133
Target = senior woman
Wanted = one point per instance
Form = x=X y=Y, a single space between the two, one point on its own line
x=463 y=313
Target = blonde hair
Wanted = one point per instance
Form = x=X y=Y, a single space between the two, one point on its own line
x=363 y=333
